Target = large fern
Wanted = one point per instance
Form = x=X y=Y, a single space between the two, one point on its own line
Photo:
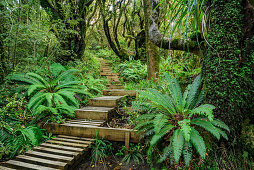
x=174 y=116
x=57 y=94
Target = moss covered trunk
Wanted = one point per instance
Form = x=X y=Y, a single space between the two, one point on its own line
x=229 y=64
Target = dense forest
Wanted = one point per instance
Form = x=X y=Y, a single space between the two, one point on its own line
x=190 y=61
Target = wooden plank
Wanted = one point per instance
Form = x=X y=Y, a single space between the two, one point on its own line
x=68 y=159
x=83 y=123
x=42 y=162
x=68 y=143
x=114 y=134
x=91 y=114
x=119 y=92
x=74 y=137
x=72 y=140
x=24 y=165
x=5 y=168
x=56 y=151
x=105 y=101
x=65 y=148
x=127 y=141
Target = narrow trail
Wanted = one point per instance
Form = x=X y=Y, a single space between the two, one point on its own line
x=74 y=137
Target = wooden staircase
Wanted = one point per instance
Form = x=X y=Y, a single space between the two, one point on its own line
x=75 y=136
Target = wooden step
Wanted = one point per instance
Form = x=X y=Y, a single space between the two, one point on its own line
x=114 y=134
x=119 y=92
x=5 y=168
x=50 y=156
x=95 y=113
x=115 y=86
x=105 y=101
x=61 y=152
x=42 y=162
x=23 y=165
x=58 y=151
x=109 y=74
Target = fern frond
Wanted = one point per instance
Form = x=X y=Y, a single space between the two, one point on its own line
x=65 y=74
x=175 y=91
x=36 y=100
x=207 y=125
x=159 y=122
x=204 y=110
x=38 y=77
x=193 y=93
x=69 y=96
x=67 y=85
x=177 y=144
x=160 y=134
x=167 y=151
x=35 y=87
x=187 y=153
x=220 y=124
x=198 y=142
x=185 y=128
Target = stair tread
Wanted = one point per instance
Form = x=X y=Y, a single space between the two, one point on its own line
x=25 y=165
x=107 y=98
x=57 y=146
x=72 y=140
x=41 y=160
x=74 y=137
x=5 y=168
x=67 y=159
x=59 y=151
x=96 y=109
x=68 y=143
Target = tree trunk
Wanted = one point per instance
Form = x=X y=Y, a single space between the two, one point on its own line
x=153 y=66
x=228 y=68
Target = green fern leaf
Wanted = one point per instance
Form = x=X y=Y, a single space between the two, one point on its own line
x=205 y=109
x=69 y=96
x=207 y=125
x=220 y=124
x=193 y=93
x=38 y=77
x=165 y=153
x=185 y=128
x=175 y=91
x=34 y=87
x=177 y=144
x=187 y=153
x=198 y=142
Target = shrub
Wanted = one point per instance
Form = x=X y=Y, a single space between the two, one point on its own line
x=174 y=119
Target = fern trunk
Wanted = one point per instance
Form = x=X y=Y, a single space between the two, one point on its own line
x=229 y=66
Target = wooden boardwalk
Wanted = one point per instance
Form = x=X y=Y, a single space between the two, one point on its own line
x=75 y=136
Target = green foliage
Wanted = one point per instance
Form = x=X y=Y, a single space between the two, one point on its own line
x=132 y=70
x=55 y=95
x=134 y=153
x=229 y=77
x=100 y=150
x=247 y=137
x=16 y=140
x=173 y=120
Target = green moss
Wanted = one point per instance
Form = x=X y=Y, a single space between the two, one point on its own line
x=228 y=71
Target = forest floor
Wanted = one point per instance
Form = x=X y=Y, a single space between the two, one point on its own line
x=112 y=162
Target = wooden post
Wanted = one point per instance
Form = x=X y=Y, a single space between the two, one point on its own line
x=127 y=142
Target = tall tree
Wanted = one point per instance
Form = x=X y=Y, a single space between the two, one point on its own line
x=72 y=19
